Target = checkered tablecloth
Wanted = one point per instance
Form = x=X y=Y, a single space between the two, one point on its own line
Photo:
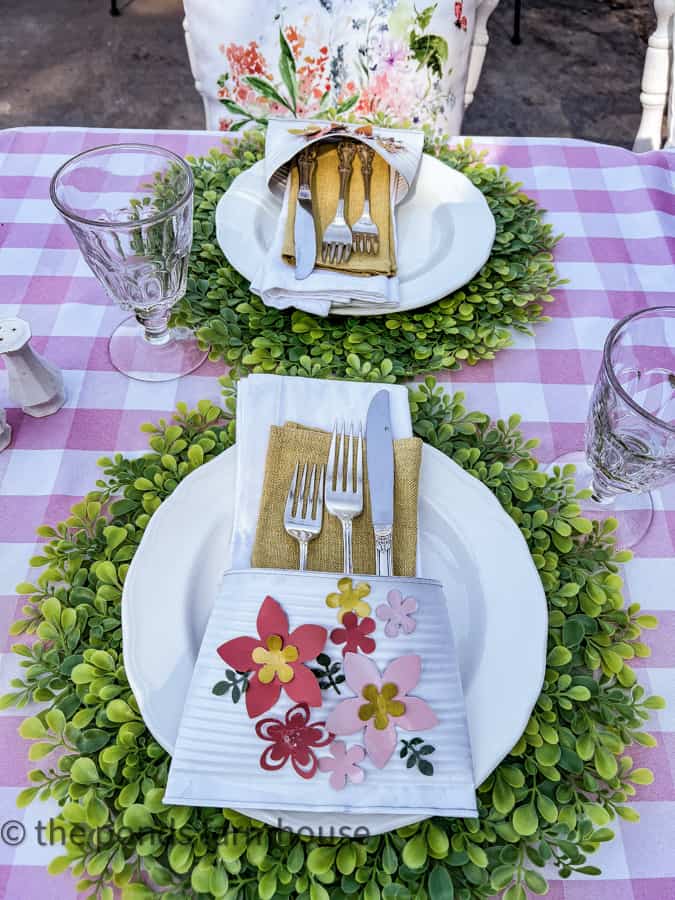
x=617 y=211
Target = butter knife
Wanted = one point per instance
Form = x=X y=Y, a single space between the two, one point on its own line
x=380 y=458
x=305 y=232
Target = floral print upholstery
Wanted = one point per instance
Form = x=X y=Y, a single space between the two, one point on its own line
x=391 y=62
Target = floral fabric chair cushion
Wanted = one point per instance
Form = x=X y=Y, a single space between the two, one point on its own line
x=393 y=62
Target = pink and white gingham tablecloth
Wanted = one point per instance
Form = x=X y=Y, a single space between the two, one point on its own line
x=617 y=212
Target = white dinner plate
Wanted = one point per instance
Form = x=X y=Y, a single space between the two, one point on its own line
x=445 y=232
x=496 y=604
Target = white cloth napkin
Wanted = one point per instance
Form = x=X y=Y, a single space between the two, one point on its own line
x=401 y=148
x=276 y=285
x=266 y=400
x=217 y=760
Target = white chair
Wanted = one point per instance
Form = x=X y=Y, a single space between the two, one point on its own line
x=657 y=97
x=478 y=48
x=206 y=23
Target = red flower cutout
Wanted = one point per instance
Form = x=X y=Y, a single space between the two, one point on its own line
x=354 y=634
x=276 y=659
x=293 y=738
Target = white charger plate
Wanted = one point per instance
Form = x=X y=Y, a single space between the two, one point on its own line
x=495 y=597
x=445 y=232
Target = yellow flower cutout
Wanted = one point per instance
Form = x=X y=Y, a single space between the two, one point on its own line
x=380 y=705
x=350 y=598
x=275 y=660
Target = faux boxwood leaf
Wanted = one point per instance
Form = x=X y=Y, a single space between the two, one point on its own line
x=525 y=820
x=318 y=892
x=415 y=852
x=137 y=891
x=84 y=771
x=321 y=859
x=92 y=740
x=536 y=882
x=501 y=876
x=605 y=763
x=267 y=885
x=440 y=885
x=180 y=858
x=137 y=817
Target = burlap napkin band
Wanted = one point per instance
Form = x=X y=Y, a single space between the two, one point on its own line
x=275 y=549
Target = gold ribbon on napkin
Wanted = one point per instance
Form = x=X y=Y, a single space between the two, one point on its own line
x=275 y=549
x=325 y=189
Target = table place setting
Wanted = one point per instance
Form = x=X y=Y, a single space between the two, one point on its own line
x=321 y=603
x=313 y=495
x=389 y=635
x=358 y=620
x=339 y=244
x=327 y=249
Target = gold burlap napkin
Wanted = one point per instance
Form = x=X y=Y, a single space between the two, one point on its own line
x=325 y=189
x=274 y=549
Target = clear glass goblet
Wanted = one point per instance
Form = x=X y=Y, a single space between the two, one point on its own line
x=630 y=430
x=129 y=207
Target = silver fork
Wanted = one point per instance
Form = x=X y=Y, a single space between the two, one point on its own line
x=344 y=497
x=303 y=515
x=365 y=233
x=337 y=237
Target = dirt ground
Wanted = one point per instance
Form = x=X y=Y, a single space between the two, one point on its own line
x=68 y=62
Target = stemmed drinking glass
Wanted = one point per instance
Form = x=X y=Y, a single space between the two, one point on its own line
x=129 y=207
x=630 y=431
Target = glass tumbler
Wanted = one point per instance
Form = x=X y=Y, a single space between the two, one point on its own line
x=630 y=430
x=129 y=207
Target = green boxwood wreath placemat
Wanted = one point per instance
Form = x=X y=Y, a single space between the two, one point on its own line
x=550 y=801
x=471 y=324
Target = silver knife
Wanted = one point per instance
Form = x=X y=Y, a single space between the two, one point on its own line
x=305 y=233
x=380 y=458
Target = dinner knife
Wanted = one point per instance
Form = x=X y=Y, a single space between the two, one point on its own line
x=305 y=233
x=380 y=459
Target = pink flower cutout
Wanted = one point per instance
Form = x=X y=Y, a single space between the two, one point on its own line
x=397 y=613
x=276 y=659
x=382 y=704
x=354 y=634
x=343 y=765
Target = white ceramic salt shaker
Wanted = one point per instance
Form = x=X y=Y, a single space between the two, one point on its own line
x=34 y=383
x=5 y=430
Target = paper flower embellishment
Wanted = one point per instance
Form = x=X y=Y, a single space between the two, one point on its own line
x=354 y=634
x=295 y=738
x=350 y=598
x=382 y=704
x=343 y=765
x=276 y=659
x=397 y=613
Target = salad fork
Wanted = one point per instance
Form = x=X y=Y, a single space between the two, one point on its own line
x=344 y=494
x=303 y=515
x=337 y=237
x=365 y=233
